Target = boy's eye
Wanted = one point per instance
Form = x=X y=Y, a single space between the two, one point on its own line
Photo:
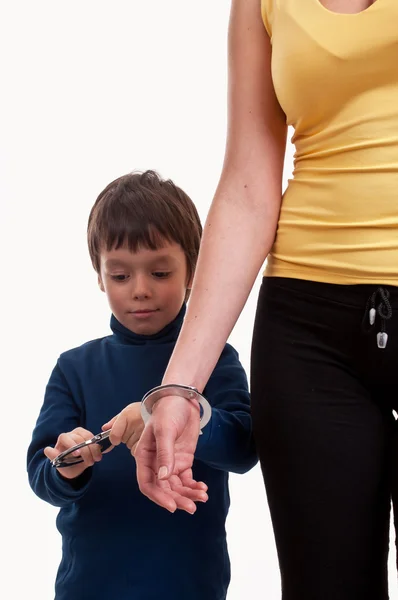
x=119 y=277
x=161 y=274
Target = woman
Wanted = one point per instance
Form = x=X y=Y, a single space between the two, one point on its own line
x=323 y=379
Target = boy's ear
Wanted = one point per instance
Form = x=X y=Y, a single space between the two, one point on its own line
x=190 y=282
x=100 y=284
x=188 y=289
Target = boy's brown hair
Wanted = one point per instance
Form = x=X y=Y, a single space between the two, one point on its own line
x=142 y=210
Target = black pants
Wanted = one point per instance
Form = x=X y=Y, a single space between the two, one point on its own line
x=323 y=395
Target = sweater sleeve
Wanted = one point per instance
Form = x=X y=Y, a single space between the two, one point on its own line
x=227 y=441
x=59 y=413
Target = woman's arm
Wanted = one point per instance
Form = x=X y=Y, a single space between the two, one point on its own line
x=238 y=234
x=241 y=225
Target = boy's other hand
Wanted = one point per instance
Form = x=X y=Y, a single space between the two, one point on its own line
x=165 y=455
x=90 y=454
x=127 y=427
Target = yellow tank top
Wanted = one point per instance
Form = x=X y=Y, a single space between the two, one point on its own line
x=336 y=78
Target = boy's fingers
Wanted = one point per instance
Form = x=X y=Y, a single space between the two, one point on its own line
x=108 y=450
x=95 y=451
x=87 y=456
x=67 y=440
x=134 y=424
x=109 y=424
x=134 y=438
x=86 y=452
x=50 y=452
x=85 y=434
x=118 y=429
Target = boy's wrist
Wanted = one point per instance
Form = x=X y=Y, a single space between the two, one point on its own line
x=79 y=481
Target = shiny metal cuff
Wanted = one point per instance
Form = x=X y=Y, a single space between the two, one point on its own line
x=184 y=391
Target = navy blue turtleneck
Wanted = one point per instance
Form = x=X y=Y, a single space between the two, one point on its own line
x=117 y=544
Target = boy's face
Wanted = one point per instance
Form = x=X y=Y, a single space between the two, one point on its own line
x=147 y=288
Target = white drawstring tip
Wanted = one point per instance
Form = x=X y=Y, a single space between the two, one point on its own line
x=372 y=316
x=382 y=339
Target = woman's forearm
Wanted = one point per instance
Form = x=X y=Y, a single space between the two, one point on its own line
x=238 y=235
x=241 y=225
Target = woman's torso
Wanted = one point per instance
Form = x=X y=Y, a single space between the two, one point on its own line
x=336 y=78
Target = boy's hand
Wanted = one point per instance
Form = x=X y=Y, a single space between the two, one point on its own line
x=127 y=427
x=90 y=454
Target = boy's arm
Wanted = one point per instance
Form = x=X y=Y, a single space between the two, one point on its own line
x=58 y=414
x=227 y=441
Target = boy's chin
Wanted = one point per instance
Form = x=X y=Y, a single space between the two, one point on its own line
x=150 y=326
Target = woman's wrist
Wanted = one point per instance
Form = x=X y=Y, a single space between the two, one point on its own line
x=188 y=393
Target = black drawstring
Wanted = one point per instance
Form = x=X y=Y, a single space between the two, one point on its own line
x=383 y=310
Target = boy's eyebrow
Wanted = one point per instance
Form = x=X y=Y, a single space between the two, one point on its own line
x=115 y=262
x=161 y=258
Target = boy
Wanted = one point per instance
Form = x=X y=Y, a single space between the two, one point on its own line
x=143 y=237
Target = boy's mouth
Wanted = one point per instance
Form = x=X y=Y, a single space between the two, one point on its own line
x=144 y=312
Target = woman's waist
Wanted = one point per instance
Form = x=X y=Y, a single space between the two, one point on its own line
x=326 y=265
x=330 y=201
x=331 y=231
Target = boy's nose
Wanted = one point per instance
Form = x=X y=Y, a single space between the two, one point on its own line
x=141 y=288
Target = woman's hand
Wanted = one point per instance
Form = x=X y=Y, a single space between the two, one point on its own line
x=165 y=455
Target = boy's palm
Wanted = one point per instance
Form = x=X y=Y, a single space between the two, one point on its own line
x=169 y=440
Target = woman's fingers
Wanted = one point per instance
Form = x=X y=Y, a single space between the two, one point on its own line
x=159 y=492
x=191 y=491
x=194 y=485
x=201 y=485
x=184 y=498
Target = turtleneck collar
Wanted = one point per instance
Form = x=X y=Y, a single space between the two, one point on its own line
x=167 y=334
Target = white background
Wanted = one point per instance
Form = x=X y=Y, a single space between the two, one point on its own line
x=92 y=90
